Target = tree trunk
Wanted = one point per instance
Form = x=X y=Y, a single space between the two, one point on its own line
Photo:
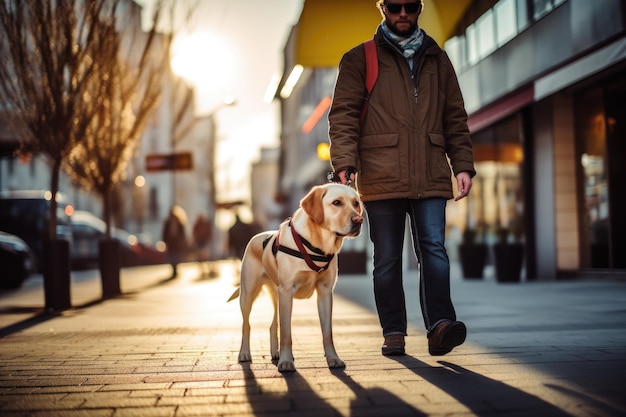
x=109 y=255
x=56 y=275
x=106 y=212
x=56 y=257
x=109 y=265
x=54 y=189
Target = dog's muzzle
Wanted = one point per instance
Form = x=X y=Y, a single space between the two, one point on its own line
x=355 y=227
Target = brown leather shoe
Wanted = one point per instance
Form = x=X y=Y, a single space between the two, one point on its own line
x=446 y=336
x=394 y=345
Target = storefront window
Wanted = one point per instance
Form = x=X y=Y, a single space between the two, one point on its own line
x=498 y=184
x=591 y=129
x=600 y=113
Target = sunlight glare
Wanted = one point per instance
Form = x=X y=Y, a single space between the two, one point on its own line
x=202 y=59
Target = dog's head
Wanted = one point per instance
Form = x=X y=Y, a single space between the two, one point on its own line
x=335 y=207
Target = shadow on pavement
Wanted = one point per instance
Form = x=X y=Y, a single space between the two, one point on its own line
x=482 y=395
x=41 y=314
x=301 y=398
x=606 y=409
x=366 y=398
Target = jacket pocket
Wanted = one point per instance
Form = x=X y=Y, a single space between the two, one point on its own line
x=379 y=158
x=438 y=166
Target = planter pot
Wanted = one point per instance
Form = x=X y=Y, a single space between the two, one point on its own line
x=473 y=258
x=508 y=261
x=56 y=274
x=109 y=264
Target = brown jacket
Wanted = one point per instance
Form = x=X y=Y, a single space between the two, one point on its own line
x=402 y=148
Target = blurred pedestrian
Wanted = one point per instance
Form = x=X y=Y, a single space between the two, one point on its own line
x=398 y=155
x=202 y=232
x=239 y=235
x=175 y=237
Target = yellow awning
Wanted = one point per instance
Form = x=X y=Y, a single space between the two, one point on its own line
x=328 y=28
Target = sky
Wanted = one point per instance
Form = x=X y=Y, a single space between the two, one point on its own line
x=234 y=48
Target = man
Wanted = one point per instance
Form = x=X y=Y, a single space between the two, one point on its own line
x=239 y=235
x=202 y=231
x=415 y=120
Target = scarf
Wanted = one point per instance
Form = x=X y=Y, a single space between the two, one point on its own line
x=408 y=45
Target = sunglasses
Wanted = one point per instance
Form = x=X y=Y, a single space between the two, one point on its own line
x=409 y=8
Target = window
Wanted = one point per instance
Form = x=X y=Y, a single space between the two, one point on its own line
x=455 y=48
x=471 y=35
x=523 y=21
x=499 y=193
x=492 y=29
x=498 y=25
x=486 y=35
x=542 y=7
x=506 y=21
x=599 y=111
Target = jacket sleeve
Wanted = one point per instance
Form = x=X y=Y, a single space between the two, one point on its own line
x=456 y=131
x=345 y=111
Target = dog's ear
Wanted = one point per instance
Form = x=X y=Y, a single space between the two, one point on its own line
x=312 y=204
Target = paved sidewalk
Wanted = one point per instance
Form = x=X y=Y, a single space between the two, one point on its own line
x=169 y=348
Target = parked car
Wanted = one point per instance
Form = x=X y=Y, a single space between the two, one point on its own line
x=87 y=232
x=148 y=252
x=17 y=261
x=26 y=213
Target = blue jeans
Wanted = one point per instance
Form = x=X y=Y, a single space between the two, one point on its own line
x=387 y=219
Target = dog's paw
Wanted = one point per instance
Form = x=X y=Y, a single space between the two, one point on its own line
x=335 y=363
x=245 y=357
x=286 y=366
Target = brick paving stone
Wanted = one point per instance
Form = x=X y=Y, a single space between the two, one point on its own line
x=145 y=412
x=111 y=401
x=169 y=348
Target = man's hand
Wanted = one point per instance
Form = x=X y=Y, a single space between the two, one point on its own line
x=347 y=180
x=464 y=184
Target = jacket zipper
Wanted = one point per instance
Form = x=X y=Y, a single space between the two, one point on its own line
x=418 y=63
x=412 y=74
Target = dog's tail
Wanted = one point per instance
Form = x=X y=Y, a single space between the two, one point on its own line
x=235 y=295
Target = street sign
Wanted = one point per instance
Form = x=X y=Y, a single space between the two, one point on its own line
x=169 y=162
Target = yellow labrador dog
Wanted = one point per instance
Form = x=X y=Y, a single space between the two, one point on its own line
x=295 y=261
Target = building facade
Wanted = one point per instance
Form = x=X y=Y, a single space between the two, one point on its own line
x=543 y=82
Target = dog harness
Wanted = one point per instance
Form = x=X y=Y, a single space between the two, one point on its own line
x=302 y=253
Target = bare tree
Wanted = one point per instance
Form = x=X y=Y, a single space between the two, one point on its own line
x=80 y=81
x=133 y=66
x=48 y=74
x=63 y=81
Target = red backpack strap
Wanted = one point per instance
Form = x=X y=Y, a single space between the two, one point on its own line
x=371 y=65
x=371 y=72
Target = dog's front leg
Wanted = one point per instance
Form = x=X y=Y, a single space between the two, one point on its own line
x=325 y=310
x=274 y=326
x=285 y=305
